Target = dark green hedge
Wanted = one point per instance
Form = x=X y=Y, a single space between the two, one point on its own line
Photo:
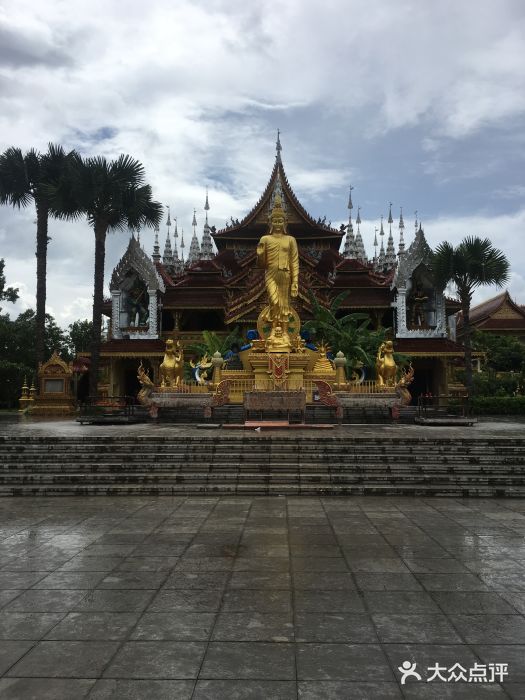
x=497 y=405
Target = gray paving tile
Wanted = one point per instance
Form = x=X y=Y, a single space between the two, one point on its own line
x=72 y=580
x=424 y=629
x=490 y=629
x=65 y=660
x=426 y=565
x=328 y=601
x=44 y=688
x=377 y=565
x=337 y=690
x=321 y=580
x=471 y=602
x=357 y=662
x=260 y=579
x=120 y=689
x=114 y=601
x=319 y=564
x=128 y=580
x=82 y=562
x=449 y=691
x=261 y=563
x=256 y=660
x=191 y=600
x=45 y=601
x=264 y=600
x=511 y=654
x=162 y=660
x=199 y=564
x=387 y=581
x=177 y=626
x=20 y=579
x=148 y=564
x=14 y=625
x=197 y=579
x=11 y=651
x=253 y=626
x=402 y=602
x=452 y=582
x=245 y=690
x=6 y=596
x=94 y=625
x=334 y=627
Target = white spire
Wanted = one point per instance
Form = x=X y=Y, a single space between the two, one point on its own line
x=350 y=248
x=360 y=252
x=167 y=258
x=401 y=233
x=156 y=248
x=207 y=245
x=195 y=249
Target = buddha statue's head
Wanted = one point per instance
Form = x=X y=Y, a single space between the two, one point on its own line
x=277 y=216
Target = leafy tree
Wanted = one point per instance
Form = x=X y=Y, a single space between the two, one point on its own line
x=18 y=352
x=25 y=179
x=113 y=196
x=349 y=334
x=471 y=264
x=6 y=293
x=504 y=353
x=79 y=336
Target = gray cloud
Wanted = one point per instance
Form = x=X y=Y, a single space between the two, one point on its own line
x=418 y=103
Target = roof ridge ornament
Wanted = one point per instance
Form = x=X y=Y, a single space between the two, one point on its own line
x=278 y=147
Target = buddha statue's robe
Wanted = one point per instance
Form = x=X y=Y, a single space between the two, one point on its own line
x=278 y=255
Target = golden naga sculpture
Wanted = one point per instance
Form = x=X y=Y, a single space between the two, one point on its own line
x=323 y=365
x=201 y=369
x=386 y=367
x=172 y=366
x=278 y=255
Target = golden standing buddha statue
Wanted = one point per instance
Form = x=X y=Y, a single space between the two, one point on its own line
x=277 y=253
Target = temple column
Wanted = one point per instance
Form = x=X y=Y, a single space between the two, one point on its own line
x=152 y=310
x=401 y=310
x=115 y=313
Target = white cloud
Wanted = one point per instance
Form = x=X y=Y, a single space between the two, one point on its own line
x=195 y=89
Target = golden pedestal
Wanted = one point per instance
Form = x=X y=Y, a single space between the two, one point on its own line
x=278 y=371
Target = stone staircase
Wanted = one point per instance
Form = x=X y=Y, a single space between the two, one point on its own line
x=259 y=464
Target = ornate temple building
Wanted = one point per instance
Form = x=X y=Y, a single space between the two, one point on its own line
x=160 y=296
x=499 y=315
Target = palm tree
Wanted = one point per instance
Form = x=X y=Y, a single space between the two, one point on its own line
x=25 y=179
x=114 y=197
x=471 y=264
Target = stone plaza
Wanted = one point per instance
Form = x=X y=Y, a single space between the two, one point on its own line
x=212 y=597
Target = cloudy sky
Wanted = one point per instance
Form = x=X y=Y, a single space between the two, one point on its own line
x=414 y=102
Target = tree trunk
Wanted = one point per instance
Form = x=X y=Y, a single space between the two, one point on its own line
x=468 y=347
x=42 y=214
x=98 y=298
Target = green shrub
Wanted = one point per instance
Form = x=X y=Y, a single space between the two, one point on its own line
x=498 y=405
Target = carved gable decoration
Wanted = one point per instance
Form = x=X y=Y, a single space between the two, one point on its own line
x=419 y=252
x=135 y=259
x=506 y=311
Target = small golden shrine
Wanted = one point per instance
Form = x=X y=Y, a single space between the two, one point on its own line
x=55 y=396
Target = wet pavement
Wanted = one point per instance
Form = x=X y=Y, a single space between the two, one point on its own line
x=267 y=598
x=12 y=425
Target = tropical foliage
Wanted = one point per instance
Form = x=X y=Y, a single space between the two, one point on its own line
x=471 y=264
x=25 y=179
x=212 y=343
x=349 y=334
x=6 y=293
x=503 y=353
x=114 y=196
x=18 y=352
